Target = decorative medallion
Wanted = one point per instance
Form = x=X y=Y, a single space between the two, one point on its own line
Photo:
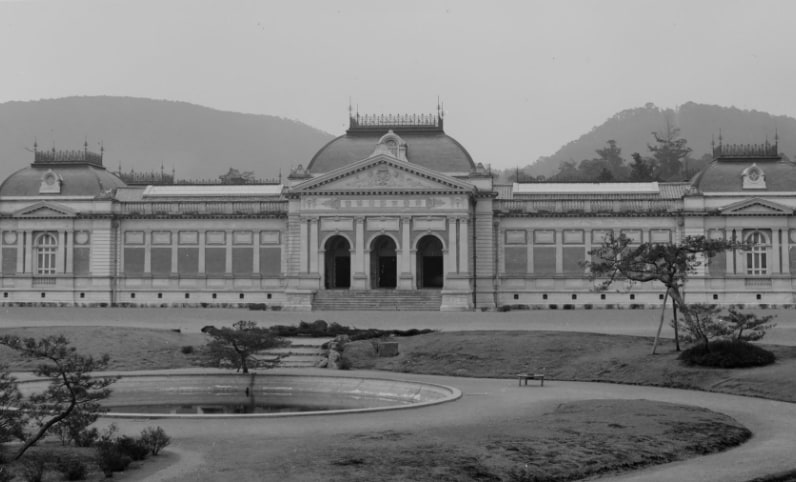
x=753 y=177
x=10 y=237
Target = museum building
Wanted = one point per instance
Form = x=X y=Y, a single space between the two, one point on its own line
x=394 y=214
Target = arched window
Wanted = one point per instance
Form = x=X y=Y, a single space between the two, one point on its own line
x=756 y=257
x=45 y=248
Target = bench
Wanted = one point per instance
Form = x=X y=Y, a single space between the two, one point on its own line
x=531 y=376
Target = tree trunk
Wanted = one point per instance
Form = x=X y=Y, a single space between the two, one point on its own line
x=660 y=325
x=43 y=430
x=677 y=300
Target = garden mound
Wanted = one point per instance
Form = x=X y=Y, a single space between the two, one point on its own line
x=728 y=354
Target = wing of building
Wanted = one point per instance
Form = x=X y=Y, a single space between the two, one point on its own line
x=394 y=214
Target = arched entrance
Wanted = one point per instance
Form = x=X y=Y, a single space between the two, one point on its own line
x=337 y=263
x=429 y=262
x=383 y=263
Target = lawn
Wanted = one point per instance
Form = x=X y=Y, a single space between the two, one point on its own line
x=564 y=442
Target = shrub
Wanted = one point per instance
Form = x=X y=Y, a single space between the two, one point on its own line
x=5 y=474
x=34 y=465
x=73 y=469
x=727 y=354
x=154 y=439
x=110 y=459
x=187 y=349
x=132 y=447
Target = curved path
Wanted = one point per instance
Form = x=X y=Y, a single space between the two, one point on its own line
x=199 y=446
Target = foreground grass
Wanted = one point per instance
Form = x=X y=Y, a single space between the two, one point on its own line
x=571 y=441
x=575 y=440
x=576 y=356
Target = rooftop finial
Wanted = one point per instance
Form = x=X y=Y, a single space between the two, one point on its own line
x=35 y=144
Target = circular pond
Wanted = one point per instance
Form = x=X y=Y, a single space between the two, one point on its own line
x=265 y=395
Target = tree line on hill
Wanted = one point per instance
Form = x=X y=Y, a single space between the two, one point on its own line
x=669 y=159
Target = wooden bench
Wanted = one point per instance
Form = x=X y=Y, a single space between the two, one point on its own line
x=531 y=376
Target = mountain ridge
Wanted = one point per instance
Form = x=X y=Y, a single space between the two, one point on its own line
x=700 y=124
x=144 y=134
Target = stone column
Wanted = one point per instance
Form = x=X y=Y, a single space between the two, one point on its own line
x=60 y=253
x=175 y=246
x=451 y=260
x=359 y=276
x=201 y=268
x=70 y=251
x=464 y=246
x=775 y=251
x=405 y=277
x=228 y=252
x=28 y=239
x=559 y=251
x=313 y=247
x=147 y=252
x=304 y=239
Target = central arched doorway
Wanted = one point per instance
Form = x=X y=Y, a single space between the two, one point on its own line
x=383 y=263
x=337 y=263
x=429 y=262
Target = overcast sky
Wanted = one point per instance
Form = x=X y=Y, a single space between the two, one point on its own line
x=518 y=79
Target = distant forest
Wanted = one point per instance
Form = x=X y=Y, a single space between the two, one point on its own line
x=650 y=143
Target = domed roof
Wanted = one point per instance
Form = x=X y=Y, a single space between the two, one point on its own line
x=426 y=144
x=745 y=169
x=70 y=173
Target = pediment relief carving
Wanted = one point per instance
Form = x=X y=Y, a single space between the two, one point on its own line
x=382 y=172
x=757 y=206
x=45 y=210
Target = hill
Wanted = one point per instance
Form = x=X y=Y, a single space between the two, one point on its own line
x=140 y=134
x=698 y=123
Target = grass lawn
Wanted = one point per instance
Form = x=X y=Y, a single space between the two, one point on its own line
x=577 y=357
x=565 y=442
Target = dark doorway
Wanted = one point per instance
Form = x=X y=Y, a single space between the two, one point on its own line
x=383 y=263
x=337 y=263
x=429 y=263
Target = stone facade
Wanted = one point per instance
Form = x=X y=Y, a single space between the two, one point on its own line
x=383 y=215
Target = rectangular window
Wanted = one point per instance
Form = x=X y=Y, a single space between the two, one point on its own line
x=9 y=260
x=133 y=261
x=544 y=237
x=188 y=261
x=161 y=261
x=82 y=261
x=215 y=237
x=516 y=260
x=188 y=238
x=161 y=238
x=270 y=261
x=215 y=260
x=514 y=236
x=544 y=260
x=242 y=261
x=573 y=257
x=134 y=237
x=717 y=265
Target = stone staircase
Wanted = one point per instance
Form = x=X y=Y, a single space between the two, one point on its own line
x=302 y=353
x=377 y=300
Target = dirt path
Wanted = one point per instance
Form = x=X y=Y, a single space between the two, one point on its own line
x=191 y=320
x=250 y=449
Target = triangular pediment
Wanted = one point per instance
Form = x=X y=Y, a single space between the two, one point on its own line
x=382 y=173
x=757 y=206
x=45 y=209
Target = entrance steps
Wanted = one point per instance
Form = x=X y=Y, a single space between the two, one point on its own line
x=377 y=300
x=301 y=353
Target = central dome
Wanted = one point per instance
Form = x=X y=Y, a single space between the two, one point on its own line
x=427 y=145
